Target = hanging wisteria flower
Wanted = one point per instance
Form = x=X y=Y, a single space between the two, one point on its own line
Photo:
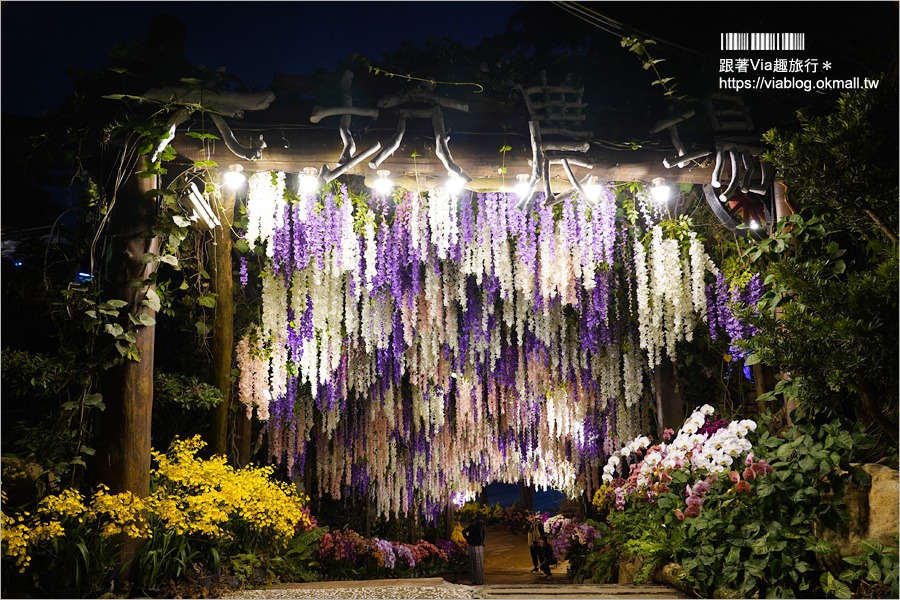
x=519 y=357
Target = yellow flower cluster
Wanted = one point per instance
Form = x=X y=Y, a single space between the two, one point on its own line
x=605 y=497
x=195 y=496
x=191 y=496
x=119 y=513
x=113 y=514
x=457 y=535
x=471 y=509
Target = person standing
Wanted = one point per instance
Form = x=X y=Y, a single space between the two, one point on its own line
x=535 y=529
x=474 y=535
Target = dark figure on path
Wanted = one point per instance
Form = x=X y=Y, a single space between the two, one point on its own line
x=474 y=535
x=535 y=530
x=547 y=558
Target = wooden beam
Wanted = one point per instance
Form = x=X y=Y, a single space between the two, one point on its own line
x=478 y=154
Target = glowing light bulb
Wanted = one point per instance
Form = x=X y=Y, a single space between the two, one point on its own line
x=383 y=184
x=754 y=224
x=234 y=177
x=659 y=190
x=593 y=189
x=522 y=187
x=454 y=183
x=308 y=182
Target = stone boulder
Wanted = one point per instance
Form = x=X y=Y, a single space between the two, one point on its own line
x=874 y=513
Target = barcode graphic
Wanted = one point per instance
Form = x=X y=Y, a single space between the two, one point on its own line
x=763 y=41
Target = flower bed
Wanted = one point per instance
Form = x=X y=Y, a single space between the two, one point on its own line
x=348 y=555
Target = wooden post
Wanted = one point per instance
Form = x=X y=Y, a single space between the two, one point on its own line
x=764 y=376
x=527 y=494
x=123 y=449
x=223 y=331
x=670 y=411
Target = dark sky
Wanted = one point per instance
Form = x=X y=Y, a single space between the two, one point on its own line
x=252 y=40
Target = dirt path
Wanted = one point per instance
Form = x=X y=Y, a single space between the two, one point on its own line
x=507 y=559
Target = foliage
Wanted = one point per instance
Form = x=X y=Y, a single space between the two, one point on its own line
x=873 y=574
x=829 y=318
x=185 y=391
x=845 y=161
x=59 y=393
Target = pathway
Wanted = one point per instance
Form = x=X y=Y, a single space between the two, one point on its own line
x=507 y=574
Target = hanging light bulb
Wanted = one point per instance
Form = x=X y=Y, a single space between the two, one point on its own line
x=308 y=182
x=383 y=184
x=522 y=187
x=754 y=224
x=592 y=189
x=234 y=177
x=454 y=183
x=659 y=190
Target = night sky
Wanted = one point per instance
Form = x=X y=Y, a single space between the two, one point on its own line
x=254 y=40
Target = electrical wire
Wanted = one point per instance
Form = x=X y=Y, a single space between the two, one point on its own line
x=603 y=22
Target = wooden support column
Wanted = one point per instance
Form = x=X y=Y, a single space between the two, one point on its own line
x=527 y=494
x=669 y=409
x=764 y=376
x=123 y=450
x=223 y=330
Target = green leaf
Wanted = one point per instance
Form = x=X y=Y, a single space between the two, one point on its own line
x=181 y=221
x=114 y=304
x=202 y=328
x=861 y=478
x=114 y=329
x=191 y=80
x=201 y=136
x=147 y=320
x=208 y=300
x=151 y=300
x=242 y=246
x=205 y=163
x=169 y=260
x=872 y=547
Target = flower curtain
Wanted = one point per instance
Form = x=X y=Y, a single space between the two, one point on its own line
x=434 y=345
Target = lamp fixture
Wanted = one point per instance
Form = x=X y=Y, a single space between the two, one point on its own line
x=201 y=212
x=592 y=189
x=659 y=191
x=234 y=176
x=754 y=224
x=383 y=184
x=454 y=183
x=308 y=182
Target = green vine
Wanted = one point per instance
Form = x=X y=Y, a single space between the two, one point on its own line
x=408 y=77
x=639 y=47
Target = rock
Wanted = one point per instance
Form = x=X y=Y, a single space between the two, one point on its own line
x=874 y=513
x=628 y=567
